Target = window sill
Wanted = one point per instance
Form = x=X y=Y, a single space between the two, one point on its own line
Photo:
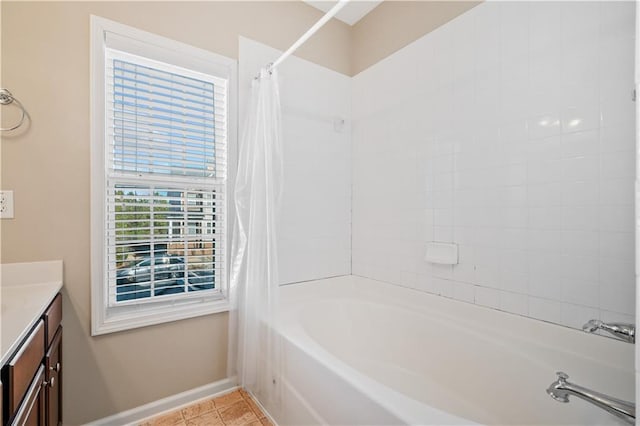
x=142 y=316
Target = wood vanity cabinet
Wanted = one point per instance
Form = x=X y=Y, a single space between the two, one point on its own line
x=32 y=379
x=53 y=369
x=31 y=412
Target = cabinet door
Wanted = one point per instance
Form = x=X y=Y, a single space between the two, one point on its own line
x=52 y=319
x=32 y=409
x=53 y=392
x=18 y=374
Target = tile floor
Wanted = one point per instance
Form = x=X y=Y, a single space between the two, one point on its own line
x=236 y=408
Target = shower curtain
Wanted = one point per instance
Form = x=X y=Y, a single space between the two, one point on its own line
x=254 y=267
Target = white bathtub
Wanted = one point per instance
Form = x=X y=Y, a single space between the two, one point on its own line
x=359 y=351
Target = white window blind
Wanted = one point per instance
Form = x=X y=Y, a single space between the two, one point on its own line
x=166 y=136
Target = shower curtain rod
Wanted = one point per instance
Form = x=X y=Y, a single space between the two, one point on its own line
x=311 y=31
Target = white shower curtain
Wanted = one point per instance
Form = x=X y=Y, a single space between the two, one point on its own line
x=254 y=267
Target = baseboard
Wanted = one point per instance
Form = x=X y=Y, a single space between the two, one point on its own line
x=170 y=403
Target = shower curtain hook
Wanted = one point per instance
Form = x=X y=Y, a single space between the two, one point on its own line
x=268 y=68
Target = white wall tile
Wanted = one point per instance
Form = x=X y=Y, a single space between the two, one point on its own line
x=581 y=292
x=315 y=222
x=544 y=124
x=514 y=281
x=615 y=218
x=512 y=134
x=618 y=299
x=617 y=245
x=576 y=316
x=580 y=169
x=544 y=309
x=616 y=192
x=545 y=149
x=514 y=303
x=580 y=267
x=581 y=243
x=464 y=292
x=618 y=165
x=580 y=218
x=608 y=316
x=545 y=218
x=580 y=118
x=544 y=171
x=543 y=241
x=580 y=192
x=546 y=194
x=616 y=111
x=578 y=144
x=445 y=287
x=487 y=297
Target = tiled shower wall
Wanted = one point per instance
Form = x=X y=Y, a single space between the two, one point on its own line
x=315 y=225
x=509 y=131
x=314 y=231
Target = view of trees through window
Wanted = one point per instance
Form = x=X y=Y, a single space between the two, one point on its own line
x=165 y=241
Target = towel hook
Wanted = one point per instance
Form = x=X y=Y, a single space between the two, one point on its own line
x=7 y=98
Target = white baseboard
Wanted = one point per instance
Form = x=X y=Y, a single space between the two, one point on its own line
x=170 y=403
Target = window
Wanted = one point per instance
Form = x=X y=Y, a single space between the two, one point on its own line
x=160 y=129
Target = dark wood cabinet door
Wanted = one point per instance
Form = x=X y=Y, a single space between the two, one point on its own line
x=18 y=374
x=53 y=387
x=32 y=409
x=52 y=319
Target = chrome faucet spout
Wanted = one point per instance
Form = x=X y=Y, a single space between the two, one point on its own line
x=561 y=389
x=626 y=332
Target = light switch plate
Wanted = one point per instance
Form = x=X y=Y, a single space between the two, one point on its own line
x=6 y=204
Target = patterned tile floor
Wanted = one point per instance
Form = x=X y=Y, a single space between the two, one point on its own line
x=232 y=409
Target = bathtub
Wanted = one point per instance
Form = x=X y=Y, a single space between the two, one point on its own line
x=363 y=352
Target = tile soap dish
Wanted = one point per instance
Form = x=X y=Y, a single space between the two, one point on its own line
x=442 y=253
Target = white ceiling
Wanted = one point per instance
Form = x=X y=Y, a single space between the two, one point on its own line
x=351 y=13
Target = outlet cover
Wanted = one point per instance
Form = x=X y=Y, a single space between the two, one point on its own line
x=6 y=204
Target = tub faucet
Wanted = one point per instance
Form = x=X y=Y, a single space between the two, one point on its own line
x=626 y=332
x=561 y=389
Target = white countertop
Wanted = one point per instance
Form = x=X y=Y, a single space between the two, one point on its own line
x=26 y=290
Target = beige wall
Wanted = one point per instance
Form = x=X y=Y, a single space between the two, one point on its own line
x=45 y=63
x=395 y=24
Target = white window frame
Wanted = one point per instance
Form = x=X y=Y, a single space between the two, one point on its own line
x=105 y=319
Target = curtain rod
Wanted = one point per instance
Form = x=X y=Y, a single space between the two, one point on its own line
x=311 y=31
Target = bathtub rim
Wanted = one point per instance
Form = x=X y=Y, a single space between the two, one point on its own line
x=413 y=411
x=585 y=344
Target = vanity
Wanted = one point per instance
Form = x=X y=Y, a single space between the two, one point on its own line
x=31 y=344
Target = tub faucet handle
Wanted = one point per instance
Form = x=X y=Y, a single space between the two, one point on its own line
x=562 y=378
x=592 y=325
x=557 y=389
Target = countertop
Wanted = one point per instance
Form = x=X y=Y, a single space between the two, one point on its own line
x=26 y=290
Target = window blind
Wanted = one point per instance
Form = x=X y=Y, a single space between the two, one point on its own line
x=166 y=172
